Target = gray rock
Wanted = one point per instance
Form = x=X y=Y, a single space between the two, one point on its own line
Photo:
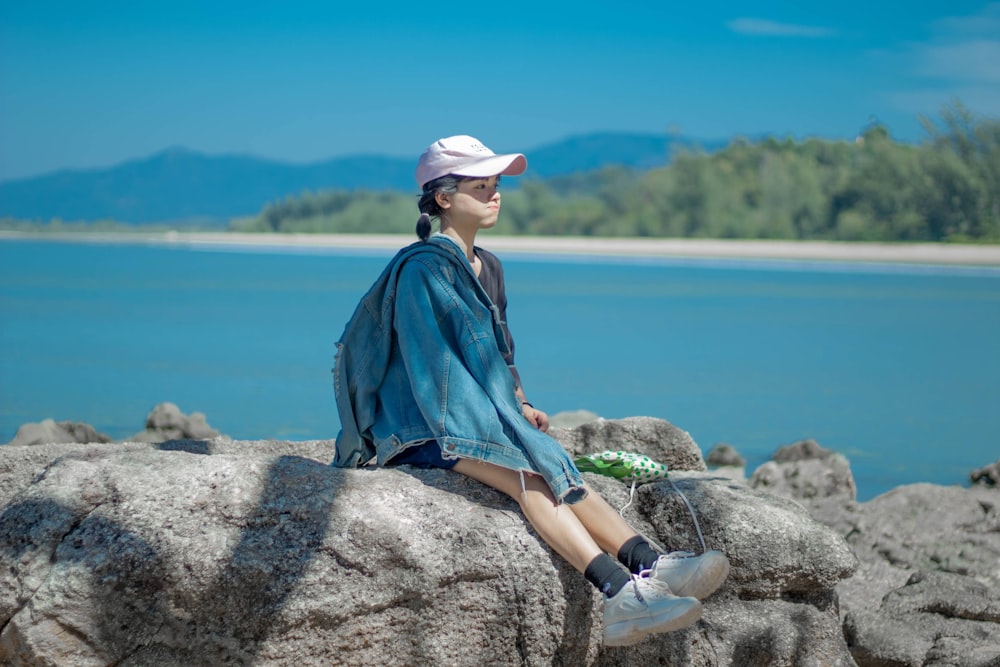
x=572 y=418
x=928 y=527
x=817 y=478
x=724 y=455
x=803 y=450
x=928 y=561
x=656 y=438
x=936 y=618
x=788 y=555
x=215 y=552
x=807 y=472
x=988 y=475
x=49 y=431
x=167 y=422
x=724 y=460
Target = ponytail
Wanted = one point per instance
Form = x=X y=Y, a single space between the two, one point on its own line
x=424 y=226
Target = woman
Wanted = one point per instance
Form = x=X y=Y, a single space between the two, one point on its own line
x=425 y=376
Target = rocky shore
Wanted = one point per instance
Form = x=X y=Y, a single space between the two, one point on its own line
x=181 y=546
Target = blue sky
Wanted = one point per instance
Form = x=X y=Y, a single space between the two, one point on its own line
x=91 y=84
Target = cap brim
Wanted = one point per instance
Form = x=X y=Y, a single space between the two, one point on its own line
x=513 y=164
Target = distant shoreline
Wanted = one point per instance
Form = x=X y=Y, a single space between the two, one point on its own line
x=907 y=253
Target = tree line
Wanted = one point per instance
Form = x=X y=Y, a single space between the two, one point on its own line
x=947 y=188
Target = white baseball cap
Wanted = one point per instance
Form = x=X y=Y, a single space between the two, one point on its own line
x=463 y=155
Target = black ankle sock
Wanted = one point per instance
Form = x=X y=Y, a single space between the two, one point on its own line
x=637 y=554
x=607 y=575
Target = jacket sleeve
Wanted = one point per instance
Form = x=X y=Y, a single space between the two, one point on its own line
x=351 y=449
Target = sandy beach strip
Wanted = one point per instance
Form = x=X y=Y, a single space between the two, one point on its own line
x=830 y=251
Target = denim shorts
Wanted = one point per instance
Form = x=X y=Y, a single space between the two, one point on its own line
x=425 y=455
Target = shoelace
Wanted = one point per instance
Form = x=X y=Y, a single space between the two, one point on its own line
x=635 y=587
x=634 y=580
x=651 y=581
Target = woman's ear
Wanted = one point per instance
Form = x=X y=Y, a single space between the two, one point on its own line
x=442 y=199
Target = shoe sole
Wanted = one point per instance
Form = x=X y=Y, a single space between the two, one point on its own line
x=711 y=576
x=631 y=631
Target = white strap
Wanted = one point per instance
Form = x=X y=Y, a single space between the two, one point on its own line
x=631 y=496
x=701 y=538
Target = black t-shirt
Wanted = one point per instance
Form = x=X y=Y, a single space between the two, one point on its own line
x=491 y=278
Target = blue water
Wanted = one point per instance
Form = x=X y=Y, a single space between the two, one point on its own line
x=897 y=367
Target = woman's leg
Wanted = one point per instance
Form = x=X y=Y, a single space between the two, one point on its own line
x=631 y=611
x=558 y=525
x=603 y=522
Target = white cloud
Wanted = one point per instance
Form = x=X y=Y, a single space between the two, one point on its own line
x=985 y=23
x=975 y=60
x=958 y=61
x=767 y=28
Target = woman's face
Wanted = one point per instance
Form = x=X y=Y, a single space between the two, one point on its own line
x=476 y=203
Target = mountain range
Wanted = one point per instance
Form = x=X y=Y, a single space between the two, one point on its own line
x=181 y=186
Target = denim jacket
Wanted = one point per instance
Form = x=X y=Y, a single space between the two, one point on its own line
x=422 y=359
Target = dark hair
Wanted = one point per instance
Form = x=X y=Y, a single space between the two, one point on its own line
x=429 y=208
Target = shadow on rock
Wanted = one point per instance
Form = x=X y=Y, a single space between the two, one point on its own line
x=111 y=581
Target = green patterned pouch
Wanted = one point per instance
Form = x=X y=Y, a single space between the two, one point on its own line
x=625 y=466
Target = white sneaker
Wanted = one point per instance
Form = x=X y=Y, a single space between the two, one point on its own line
x=690 y=575
x=645 y=606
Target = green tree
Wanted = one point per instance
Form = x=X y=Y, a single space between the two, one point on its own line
x=871 y=189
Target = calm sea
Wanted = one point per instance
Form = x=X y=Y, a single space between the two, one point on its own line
x=897 y=367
